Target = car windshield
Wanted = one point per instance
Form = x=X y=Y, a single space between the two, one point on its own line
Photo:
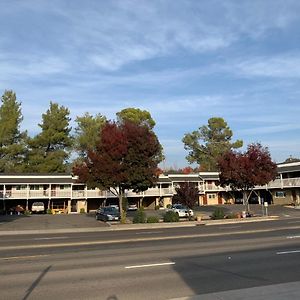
x=111 y=210
x=179 y=206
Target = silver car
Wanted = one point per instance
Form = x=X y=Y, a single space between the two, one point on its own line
x=182 y=211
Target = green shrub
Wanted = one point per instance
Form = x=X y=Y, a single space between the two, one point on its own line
x=140 y=216
x=218 y=214
x=169 y=206
x=82 y=210
x=152 y=219
x=157 y=207
x=27 y=212
x=232 y=216
x=171 y=216
x=49 y=211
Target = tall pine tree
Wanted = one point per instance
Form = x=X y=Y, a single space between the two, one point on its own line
x=12 y=140
x=50 y=149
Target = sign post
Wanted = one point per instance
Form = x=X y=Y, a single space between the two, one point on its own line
x=266 y=207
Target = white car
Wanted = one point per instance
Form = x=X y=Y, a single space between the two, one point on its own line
x=182 y=211
x=38 y=207
x=132 y=207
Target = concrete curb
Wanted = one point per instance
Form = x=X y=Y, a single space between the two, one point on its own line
x=235 y=221
x=119 y=227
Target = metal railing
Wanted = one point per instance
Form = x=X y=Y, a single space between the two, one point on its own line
x=155 y=192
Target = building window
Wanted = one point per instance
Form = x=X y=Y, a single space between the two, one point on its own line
x=34 y=187
x=211 y=196
x=20 y=187
x=64 y=186
x=280 y=194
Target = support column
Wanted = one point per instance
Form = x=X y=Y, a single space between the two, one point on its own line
x=4 y=195
x=27 y=196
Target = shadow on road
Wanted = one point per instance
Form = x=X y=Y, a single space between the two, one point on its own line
x=4 y=219
x=36 y=282
x=206 y=274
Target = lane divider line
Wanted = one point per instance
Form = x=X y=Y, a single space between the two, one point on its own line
x=293 y=237
x=143 y=239
x=288 y=252
x=23 y=257
x=150 y=265
x=52 y=238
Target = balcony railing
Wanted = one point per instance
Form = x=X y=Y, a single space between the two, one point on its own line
x=155 y=192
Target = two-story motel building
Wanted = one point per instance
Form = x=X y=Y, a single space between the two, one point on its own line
x=63 y=193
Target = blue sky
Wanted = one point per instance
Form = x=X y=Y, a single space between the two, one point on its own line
x=184 y=61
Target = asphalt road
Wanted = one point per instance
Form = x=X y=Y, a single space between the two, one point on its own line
x=234 y=261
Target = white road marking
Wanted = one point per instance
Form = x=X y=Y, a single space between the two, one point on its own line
x=288 y=252
x=149 y=232
x=23 y=257
x=293 y=237
x=286 y=215
x=293 y=222
x=150 y=265
x=52 y=238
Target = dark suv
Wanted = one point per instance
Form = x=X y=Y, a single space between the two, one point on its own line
x=108 y=213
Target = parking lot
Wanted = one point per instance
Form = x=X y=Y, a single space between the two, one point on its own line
x=46 y=222
x=76 y=221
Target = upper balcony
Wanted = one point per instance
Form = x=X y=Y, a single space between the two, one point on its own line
x=68 y=193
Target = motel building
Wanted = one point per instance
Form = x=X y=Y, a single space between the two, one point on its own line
x=62 y=193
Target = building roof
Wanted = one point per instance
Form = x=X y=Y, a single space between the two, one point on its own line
x=37 y=179
x=288 y=167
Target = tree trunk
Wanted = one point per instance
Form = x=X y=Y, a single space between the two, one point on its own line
x=121 y=208
x=246 y=201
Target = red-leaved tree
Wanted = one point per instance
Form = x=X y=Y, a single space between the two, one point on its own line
x=187 y=194
x=126 y=157
x=244 y=170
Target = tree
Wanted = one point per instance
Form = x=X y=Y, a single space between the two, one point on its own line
x=12 y=140
x=292 y=159
x=50 y=149
x=243 y=171
x=187 y=194
x=87 y=132
x=137 y=116
x=126 y=157
x=208 y=143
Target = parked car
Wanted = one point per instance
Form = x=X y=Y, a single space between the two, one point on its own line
x=16 y=210
x=132 y=207
x=239 y=201
x=182 y=210
x=37 y=207
x=108 y=213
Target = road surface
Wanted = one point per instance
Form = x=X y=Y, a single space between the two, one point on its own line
x=235 y=261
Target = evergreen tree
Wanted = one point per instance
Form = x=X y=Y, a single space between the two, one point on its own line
x=87 y=133
x=137 y=116
x=215 y=139
x=50 y=149
x=12 y=140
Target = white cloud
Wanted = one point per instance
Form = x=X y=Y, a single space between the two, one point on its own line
x=281 y=66
x=27 y=65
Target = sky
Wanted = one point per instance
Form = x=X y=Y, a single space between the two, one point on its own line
x=183 y=61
